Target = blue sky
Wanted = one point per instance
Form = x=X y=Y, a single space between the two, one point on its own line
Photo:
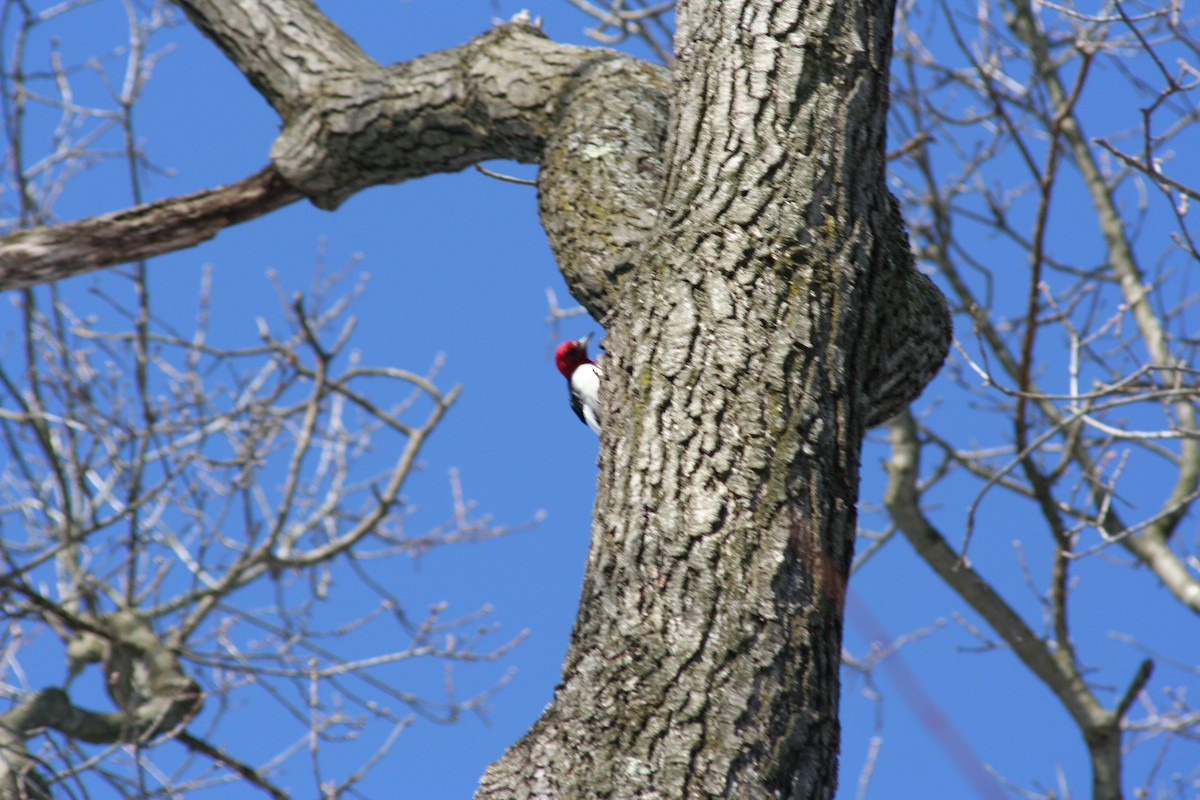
x=459 y=266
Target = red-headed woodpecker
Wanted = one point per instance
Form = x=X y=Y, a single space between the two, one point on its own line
x=583 y=380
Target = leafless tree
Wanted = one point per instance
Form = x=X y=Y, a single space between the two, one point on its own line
x=1039 y=179
x=1041 y=153
x=179 y=513
x=729 y=223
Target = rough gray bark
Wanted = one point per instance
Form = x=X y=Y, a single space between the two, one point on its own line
x=286 y=48
x=733 y=228
x=360 y=124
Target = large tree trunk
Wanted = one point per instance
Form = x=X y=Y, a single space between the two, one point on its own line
x=772 y=316
x=763 y=311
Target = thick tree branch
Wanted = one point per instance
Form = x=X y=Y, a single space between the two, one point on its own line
x=285 y=48
x=145 y=681
x=54 y=252
x=1054 y=667
x=902 y=501
x=595 y=118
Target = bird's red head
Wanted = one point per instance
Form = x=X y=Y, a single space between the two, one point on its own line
x=571 y=354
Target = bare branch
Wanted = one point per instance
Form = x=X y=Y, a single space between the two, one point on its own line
x=53 y=252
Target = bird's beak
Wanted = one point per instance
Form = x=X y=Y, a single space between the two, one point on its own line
x=584 y=341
